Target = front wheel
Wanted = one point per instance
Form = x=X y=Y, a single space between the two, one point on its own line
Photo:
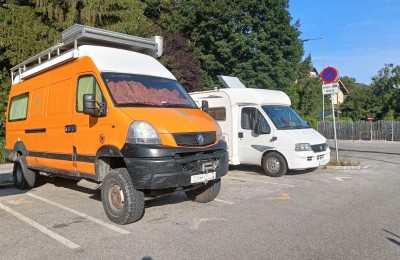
x=274 y=164
x=122 y=203
x=24 y=178
x=205 y=193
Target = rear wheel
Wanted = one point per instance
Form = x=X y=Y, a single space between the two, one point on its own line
x=24 y=178
x=205 y=193
x=122 y=203
x=274 y=164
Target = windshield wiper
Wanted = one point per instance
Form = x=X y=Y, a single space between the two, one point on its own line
x=141 y=104
x=174 y=105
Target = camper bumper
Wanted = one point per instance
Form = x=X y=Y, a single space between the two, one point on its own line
x=152 y=167
x=307 y=160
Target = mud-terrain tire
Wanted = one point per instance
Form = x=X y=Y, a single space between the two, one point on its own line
x=274 y=165
x=205 y=193
x=24 y=178
x=122 y=203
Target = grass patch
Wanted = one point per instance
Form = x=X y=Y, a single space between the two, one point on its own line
x=343 y=162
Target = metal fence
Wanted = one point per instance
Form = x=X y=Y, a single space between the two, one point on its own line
x=362 y=130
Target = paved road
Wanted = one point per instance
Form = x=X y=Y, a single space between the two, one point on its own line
x=325 y=214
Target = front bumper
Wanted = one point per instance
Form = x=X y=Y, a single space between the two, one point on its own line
x=307 y=160
x=174 y=167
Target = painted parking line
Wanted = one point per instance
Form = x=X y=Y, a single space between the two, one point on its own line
x=83 y=215
x=267 y=182
x=224 y=201
x=41 y=228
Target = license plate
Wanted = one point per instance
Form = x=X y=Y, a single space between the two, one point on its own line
x=202 y=177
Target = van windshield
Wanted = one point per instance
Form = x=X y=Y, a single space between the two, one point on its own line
x=129 y=90
x=284 y=117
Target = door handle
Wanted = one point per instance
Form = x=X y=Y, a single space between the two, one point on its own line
x=70 y=128
x=240 y=134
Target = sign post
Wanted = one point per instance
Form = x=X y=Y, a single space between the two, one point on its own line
x=329 y=76
x=369 y=118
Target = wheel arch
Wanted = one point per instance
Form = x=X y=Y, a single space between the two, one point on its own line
x=276 y=151
x=108 y=157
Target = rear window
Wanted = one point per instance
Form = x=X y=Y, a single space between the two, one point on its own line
x=18 y=107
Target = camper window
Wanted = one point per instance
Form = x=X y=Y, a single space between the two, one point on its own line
x=87 y=85
x=18 y=107
x=218 y=113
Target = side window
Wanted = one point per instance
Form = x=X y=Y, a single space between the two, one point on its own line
x=87 y=85
x=218 y=113
x=18 y=107
x=250 y=116
x=263 y=125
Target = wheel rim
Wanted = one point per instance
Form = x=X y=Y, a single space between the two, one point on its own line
x=273 y=165
x=116 y=197
x=19 y=174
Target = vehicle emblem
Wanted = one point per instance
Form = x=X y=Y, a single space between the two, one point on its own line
x=102 y=138
x=200 y=139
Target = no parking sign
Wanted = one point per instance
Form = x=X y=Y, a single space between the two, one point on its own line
x=329 y=75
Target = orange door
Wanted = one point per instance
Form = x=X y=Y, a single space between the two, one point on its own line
x=90 y=132
x=58 y=117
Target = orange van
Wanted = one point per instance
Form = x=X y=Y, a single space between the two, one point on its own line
x=99 y=108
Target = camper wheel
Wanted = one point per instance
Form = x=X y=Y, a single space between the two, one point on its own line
x=205 y=193
x=122 y=203
x=24 y=178
x=274 y=164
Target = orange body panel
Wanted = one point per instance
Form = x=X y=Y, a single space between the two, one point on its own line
x=52 y=106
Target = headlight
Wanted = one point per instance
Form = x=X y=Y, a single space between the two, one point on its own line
x=141 y=132
x=302 y=147
x=219 y=131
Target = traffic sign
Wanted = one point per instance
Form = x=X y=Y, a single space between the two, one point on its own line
x=332 y=88
x=369 y=118
x=329 y=75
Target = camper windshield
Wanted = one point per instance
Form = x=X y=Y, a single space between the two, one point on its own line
x=284 y=117
x=130 y=90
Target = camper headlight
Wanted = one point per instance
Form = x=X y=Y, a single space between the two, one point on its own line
x=219 y=131
x=302 y=147
x=142 y=132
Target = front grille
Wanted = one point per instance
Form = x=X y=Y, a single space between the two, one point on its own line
x=317 y=148
x=195 y=139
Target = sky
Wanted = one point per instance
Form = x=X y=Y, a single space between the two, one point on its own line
x=359 y=37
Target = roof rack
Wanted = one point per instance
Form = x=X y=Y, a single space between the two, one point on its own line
x=78 y=35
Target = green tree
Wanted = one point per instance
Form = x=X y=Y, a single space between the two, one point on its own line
x=386 y=87
x=361 y=101
x=250 y=39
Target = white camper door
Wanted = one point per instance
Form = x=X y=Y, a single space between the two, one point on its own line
x=252 y=145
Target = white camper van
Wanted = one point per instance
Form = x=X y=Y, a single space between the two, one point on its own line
x=260 y=127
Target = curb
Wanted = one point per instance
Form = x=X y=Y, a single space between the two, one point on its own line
x=357 y=167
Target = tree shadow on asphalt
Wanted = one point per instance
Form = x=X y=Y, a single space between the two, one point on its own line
x=8 y=190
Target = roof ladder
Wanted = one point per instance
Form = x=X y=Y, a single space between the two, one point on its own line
x=78 y=35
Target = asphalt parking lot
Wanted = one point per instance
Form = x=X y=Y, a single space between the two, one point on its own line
x=334 y=214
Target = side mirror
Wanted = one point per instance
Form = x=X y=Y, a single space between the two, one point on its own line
x=204 y=105
x=89 y=105
x=262 y=128
x=309 y=123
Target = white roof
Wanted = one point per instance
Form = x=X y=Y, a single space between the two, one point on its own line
x=109 y=59
x=240 y=96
